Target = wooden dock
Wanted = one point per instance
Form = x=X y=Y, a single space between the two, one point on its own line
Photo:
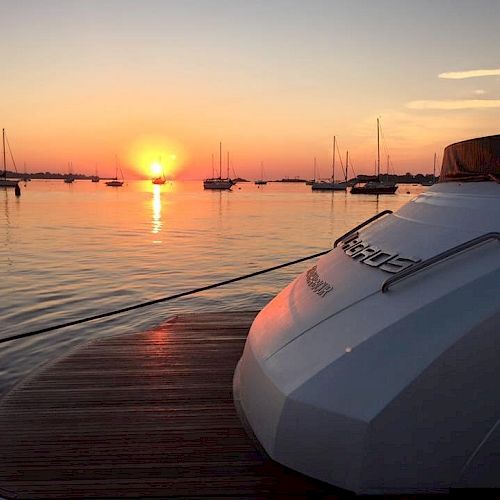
x=145 y=415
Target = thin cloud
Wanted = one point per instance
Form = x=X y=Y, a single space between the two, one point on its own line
x=474 y=73
x=479 y=91
x=455 y=104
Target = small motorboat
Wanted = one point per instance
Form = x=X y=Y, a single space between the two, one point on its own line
x=377 y=369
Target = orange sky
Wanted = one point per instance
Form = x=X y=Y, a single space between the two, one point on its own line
x=274 y=81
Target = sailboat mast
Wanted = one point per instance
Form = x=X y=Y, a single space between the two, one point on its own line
x=314 y=168
x=378 y=150
x=346 y=163
x=220 y=160
x=333 y=162
x=434 y=169
x=213 y=171
x=227 y=176
x=4 y=163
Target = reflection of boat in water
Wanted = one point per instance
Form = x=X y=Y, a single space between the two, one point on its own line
x=219 y=183
x=116 y=182
x=377 y=369
x=375 y=186
x=4 y=182
x=332 y=185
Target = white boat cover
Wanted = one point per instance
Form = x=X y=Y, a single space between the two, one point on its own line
x=473 y=160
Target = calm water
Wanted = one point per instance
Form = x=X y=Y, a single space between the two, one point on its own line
x=68 y=251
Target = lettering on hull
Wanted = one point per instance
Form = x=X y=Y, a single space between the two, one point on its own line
x=316 y=284
x=371 y=255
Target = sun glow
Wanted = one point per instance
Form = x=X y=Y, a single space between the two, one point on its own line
x=156 y=169
x=156 y=156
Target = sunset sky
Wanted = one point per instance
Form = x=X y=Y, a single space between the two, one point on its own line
x=274 y=80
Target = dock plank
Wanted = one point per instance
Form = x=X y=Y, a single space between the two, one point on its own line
x=145 y=415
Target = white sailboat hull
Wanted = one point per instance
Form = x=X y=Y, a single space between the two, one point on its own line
x=391 y=392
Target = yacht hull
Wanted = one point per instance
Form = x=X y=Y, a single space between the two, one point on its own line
x=390 y=392
x=218 y=184
x=328 y=186
x=5 y=183
x=374 y=190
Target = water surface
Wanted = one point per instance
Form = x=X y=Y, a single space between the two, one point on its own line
x=68 y=251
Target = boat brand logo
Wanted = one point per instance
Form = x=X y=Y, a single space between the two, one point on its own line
x=316 y=284
x=373 y=256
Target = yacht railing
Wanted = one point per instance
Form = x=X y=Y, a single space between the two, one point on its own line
x=363 y=224
x=411 y=271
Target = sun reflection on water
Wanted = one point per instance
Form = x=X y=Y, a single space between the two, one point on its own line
x=156 y=223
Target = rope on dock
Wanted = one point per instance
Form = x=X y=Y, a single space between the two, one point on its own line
x=158 y=301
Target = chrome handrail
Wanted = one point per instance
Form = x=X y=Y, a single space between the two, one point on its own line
x=363 y=224
x=438 y=258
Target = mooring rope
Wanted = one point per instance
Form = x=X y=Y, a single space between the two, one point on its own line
x=157 y=301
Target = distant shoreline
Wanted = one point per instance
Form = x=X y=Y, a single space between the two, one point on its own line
x=407 y=178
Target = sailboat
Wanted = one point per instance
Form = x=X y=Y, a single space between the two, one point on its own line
x=70 y=177
x=161 y=179
x=219 y=182
x=95 y=178
x=376 y=186
x=115 y=182
x=311 y=182
x=331 y=185
x=430 y=182
x=4 y=182
x=261 y=181
x=26 y=177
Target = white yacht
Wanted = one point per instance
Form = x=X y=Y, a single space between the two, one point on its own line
x=377 y=370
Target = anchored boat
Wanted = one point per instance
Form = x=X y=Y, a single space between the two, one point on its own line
x=4 y=182
x=332 y=185
x=377 y=369
x=115 y=182
x=376 y=186
x=219 y=183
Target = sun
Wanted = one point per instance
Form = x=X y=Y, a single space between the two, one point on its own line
x=156 y=168
x=155 y=156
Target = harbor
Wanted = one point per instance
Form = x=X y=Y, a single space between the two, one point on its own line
x=74 y=250
x=249 y=249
